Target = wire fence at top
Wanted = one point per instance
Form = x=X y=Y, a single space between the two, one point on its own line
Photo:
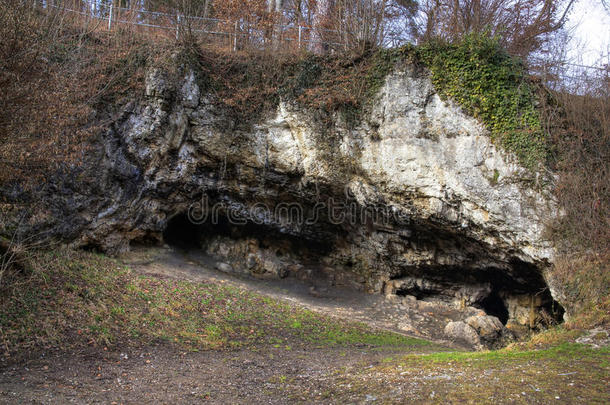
x=253 y=32
x=573 y=77
x=237 y=34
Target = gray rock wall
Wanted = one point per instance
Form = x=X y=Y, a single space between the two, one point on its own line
x=415 y=191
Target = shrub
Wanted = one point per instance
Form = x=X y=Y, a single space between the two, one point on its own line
x=580 y=128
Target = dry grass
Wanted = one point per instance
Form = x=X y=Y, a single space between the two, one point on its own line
x=73 y=299
x=54 y=76
x=585 y=281
x=580 y=126
x=566 y=374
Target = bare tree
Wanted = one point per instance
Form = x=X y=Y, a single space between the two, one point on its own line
x=523 y=26
x=358 y=24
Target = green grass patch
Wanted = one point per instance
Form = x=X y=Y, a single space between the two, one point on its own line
x=567 y=373
x=80 y=297
x=562 y=351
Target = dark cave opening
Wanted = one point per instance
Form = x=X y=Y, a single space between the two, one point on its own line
x=433 y=283
x=414 y=291
x=509 y=295
x=494 y=305
x=181 y=232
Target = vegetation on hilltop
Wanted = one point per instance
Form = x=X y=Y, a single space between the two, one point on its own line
x=61 y=78
x=55 y=74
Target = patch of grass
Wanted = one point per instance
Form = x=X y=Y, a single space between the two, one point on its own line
x=555 y=336
x=568 y=373
x=561 y=351
x=76 y=298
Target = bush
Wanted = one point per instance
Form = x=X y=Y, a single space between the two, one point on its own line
x=581 y=137
x=580 y=128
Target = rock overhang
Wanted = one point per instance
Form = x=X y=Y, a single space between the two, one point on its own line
x=442 y=198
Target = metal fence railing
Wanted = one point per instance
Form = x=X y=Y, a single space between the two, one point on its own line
x=233 y=34
x=251 y=32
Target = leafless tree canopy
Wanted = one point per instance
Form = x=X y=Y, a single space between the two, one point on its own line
x=524 y=26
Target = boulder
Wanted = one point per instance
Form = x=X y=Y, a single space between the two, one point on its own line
x=488 y=327
x=480 y=332
x=462 y=332
x=492 y=333
x=224 y=267
x=275 y=268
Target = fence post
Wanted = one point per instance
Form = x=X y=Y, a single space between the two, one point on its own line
x=300 y=28
x=235 y=38
x=178 y=28
x=110 y=17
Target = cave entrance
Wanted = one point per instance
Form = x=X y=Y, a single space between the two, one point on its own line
x=512 y=298
x=181 y=232
x=495 y=306
x=417 y=292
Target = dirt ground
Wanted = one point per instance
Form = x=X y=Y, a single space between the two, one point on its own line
x=292 y=373
x=165 y=375
x=162 y=374
x=420 y=319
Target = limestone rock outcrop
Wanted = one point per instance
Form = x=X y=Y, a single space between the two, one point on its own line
x=414 y=198
x=463 y=333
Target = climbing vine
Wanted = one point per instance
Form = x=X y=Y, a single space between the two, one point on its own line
x=493 y=87
x=476 y=73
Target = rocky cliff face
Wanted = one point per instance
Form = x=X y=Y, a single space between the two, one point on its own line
x=412 y=200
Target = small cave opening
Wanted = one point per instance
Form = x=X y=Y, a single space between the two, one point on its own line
x=92 y=247
x=182 y=233
x=494 y=305
x=516 y=298
x=416 y=292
